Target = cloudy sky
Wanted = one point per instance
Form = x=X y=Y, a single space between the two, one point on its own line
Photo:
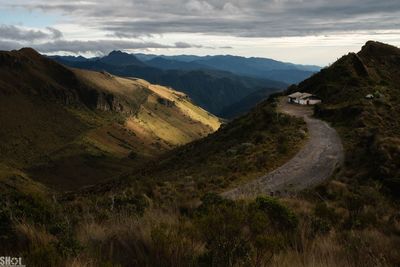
x=300 y=31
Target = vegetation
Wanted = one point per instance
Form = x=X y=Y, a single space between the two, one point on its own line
x=168 y=212
x=242 y=150
x=71 y=128
x=369 y=128
x=208 y=87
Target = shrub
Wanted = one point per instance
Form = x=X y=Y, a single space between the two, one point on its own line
x=281 y=218
x=221 y=224
x=132 y=155
x=173 y=245
x=240 y=233
x=130 y=202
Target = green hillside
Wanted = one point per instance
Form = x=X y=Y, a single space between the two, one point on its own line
x=370 y=128
x=68 y=128
x=167 y=210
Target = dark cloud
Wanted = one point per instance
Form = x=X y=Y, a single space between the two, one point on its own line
x=10 y=32
x=9 y=45
x=250 y=18
x=186 y=45
x=56 y=33
x=14 y=33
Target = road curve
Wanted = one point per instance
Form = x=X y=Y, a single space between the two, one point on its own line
x=314 y=163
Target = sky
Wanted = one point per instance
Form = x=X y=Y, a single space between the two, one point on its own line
x=299 y=31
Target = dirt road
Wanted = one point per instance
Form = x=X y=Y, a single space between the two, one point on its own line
x=314 y=163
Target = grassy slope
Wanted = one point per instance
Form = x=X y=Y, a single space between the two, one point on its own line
x=352 y=219
x=70 y=128
x=107 y=225
x=339 y=223
x=210 y=89
x=370 y=129
x=243 y=149
x=347 y=221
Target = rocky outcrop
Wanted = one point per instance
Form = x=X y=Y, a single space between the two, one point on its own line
x=110 y=102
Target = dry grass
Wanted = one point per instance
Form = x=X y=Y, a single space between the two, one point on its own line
x=156 y=239
x=177 y=124
x=359 y=248
x=34 y=235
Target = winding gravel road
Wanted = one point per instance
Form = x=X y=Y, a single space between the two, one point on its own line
x=314 y=163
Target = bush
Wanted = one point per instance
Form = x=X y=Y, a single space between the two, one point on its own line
x=173 y=245
x=132 y=155
x=130 y=202
x=281 y=218
x=240 y=233
x=221 y=223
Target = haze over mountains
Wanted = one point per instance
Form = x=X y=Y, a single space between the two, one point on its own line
x=213 y=82
x=254 y=67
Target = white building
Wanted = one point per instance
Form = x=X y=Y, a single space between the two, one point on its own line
x=304 y=98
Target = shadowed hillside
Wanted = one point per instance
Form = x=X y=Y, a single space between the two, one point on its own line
x=209 y=88
x=60 y=124
x=369 y=127
x=245 y=148
x=168 y=211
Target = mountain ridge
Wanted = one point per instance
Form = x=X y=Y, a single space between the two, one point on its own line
x=54 y=117
x=210 y=89
x=372 y=133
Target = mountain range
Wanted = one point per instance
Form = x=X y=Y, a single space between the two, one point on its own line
x=97 y=169
x=263 y=68
x=212 y=82
x=63 y=124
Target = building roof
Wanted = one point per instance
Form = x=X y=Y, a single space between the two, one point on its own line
x=295 y=95
x=300 y=95
x=305 y=95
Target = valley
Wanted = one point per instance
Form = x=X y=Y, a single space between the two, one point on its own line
x=63 y=124
x=215 y=83
x=100 y=167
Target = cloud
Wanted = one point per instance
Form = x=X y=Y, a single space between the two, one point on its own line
x=56 y=33
x=216 y=24
x=199 y=6
x=186 y=45
x=250 y=18
x=98 y=46
x=9 y=45
x=14 y=33
x=10 y=32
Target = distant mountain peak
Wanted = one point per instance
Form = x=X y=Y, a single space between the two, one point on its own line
x=117 y=57
x=117 y=52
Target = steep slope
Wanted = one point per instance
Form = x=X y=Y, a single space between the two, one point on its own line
x=70 y=127
x=163 y=214
x=370 y=127
x=243 y=149
x=211 y=89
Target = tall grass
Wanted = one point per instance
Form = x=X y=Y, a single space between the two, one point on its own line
x=156 y=239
